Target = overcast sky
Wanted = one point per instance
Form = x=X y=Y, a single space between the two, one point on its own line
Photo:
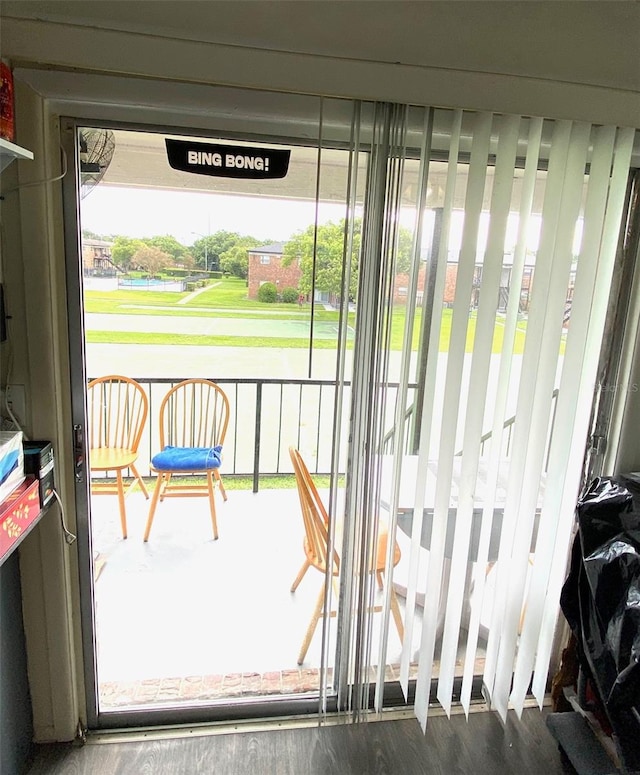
x=144 y=212
x=187 y=215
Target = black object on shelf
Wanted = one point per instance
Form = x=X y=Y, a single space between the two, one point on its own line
x=601 y=602
x=38 y=461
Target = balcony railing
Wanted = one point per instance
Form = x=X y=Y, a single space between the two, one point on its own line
x=270 y=415
x=267 y=417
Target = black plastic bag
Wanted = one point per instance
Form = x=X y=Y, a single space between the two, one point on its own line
x=601 y=596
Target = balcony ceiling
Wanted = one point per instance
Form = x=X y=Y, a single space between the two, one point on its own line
x=531 y=39
x=140 y=161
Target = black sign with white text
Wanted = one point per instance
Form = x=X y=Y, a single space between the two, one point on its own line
x=227 y=161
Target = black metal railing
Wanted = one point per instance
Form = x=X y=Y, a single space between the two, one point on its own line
x=270 y=415
x=388 y=441
x=267 y=417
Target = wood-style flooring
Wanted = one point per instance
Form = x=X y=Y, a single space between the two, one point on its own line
x=479 y=746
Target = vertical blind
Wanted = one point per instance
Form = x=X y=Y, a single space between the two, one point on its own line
x=487 y=251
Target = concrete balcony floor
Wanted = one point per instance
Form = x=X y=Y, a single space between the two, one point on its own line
x=186 y=619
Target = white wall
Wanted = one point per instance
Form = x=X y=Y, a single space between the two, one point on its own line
x=549 y=57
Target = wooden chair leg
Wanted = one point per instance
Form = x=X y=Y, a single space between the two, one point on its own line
x=317 y=613
x=121 y=506
x=140 y=481
x=305 y=567
x=379 y=578
x=212 y=503
x=166 y=481
x=524 y=607
x=220 y=484
x=397 y=615
x=152 y=507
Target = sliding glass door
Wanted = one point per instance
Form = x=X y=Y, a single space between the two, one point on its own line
x=216 y=265
x=417 y=306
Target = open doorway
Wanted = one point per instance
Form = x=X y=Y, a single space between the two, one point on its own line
x=187 y=275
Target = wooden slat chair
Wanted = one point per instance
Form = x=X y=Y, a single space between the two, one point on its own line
x=117 y=410
x=194 y=416
x=316 y=550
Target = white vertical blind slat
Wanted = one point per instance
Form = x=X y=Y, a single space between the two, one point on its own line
x=500 y=404
x=455 y=363
x=417 y=554
x=544 y=376
x=392 y=175
x=456 y=409
x=479 y=377
x=402 y=399
x=524 y=407
x=393 y=207
x=567 y=407
x=352 y=199
x=608 y=245
x=351 y=647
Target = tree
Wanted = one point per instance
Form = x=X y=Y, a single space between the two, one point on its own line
x=329 y=250
x=403 y=255
x=188 y=261
x=207 y=250
x=123 y=250
x=88 y=234
x=151 y=259
x=235 y=261
x=169 y=245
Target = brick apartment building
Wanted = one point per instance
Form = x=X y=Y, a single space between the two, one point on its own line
x=96 y=257
x=265 y=266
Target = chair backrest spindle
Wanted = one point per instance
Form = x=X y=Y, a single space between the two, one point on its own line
x=194 y=413
x=314 y=515
x=117 y=409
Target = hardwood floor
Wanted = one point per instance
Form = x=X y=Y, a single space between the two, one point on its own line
x=479 y=746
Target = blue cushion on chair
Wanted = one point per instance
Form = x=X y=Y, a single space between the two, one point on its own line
x=187 y=458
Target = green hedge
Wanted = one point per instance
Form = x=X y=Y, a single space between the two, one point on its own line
x=268 y=293
x=289 y=295
x=179 y=272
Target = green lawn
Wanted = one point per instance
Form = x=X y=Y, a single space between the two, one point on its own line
x=221 y=298
x=228 y=298
x=116 y=301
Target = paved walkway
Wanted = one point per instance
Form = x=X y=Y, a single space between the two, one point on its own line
x=197 y=292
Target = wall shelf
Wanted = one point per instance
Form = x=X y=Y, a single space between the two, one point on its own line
x=10 y=152
x=20 y=512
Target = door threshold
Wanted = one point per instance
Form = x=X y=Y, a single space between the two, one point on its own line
x=210 y=728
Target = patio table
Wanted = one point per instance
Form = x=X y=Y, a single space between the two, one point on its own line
x=406 y=502
x=405 y=511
